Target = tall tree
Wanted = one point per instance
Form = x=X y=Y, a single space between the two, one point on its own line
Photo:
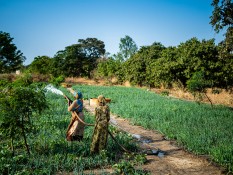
x=11 y=59
x=92 y=47
x=127 y=47
x=222 y=18
x=41 y=65
x=78 y=59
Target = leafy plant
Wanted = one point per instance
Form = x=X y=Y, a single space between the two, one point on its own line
x=57 y=80
x=17 y=106
x=124 y=167
x=165 y=93
x=197 y=85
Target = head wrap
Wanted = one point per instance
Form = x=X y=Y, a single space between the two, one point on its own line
x=78 y=95
x=101 y=100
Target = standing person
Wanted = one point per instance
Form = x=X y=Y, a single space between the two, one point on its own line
x=100 y=135
x=75 y=129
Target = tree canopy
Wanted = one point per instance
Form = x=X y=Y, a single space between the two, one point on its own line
x=11 y=59
x=41 y=65
x=127 y=47
x=222 y=18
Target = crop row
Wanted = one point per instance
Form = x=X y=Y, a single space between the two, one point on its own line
x=51 y=153
x=198 y=128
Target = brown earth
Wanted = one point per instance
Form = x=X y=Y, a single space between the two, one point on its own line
x=176 y=161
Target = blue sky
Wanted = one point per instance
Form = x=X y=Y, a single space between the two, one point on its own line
x=43 y=27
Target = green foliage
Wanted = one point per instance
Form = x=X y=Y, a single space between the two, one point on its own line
x=23 y=80
x=78 y=59
x=127 y=47
x=198 y=83
x=135 y=70
x=128 y=163
x=165 y=93
x=57 y=80
x=40 y=65
x=222 y=18
x=124 y=167
x=51 y=153
x=200 y=129
x=157 y=66
x=108 y=68
x=139 y=68
x=163 y=71
x=4 y=83
x=18 y=104
x=11 y=59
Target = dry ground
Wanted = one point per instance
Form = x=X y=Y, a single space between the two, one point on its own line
x=176 y=161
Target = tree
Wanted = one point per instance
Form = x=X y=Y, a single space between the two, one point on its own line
x=41 y=65
x=197 y=85
x=138 y=66
x=108 y=68
x=18 y=104
x=127 y=47
x=194 y=56
x=78 y=59
x=11 y=59
x=163 y=71
x=92 y=47
x=222 y=18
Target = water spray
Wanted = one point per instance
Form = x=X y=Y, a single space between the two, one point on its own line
x=52 y=89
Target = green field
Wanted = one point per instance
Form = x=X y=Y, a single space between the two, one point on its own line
x=51 y=153
x=198 y=128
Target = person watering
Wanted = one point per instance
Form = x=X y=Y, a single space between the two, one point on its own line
x=100 y=135
x=75 y=129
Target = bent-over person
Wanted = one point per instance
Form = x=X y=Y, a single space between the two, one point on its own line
x=100 y=135
x=75 y=129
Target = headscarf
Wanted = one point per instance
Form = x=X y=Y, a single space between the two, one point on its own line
x=101 y=100
x=78 y=95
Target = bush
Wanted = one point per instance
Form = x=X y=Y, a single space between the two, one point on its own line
x=23 y=80
x=57 y=80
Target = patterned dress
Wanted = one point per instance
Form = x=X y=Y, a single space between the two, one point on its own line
x=100 y=135
x=75 y=129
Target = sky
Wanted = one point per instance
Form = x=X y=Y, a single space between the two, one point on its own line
x=44 y=27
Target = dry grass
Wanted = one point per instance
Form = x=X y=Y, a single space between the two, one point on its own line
x=223 y=97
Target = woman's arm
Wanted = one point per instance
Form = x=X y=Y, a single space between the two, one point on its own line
x=71 y=90
x=73 y=106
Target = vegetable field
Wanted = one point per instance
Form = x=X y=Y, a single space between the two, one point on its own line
x=51 y=153
x=198 y=128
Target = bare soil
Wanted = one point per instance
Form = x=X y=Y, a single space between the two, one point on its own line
x=176 y=161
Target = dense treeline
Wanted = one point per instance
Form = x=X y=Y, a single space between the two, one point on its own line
x=152 y=66
x=157 y=65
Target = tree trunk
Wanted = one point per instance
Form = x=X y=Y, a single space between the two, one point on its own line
x=24 y=137
x=209 y=100
x=12 y=147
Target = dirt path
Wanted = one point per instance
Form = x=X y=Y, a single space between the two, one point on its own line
x=176 y=161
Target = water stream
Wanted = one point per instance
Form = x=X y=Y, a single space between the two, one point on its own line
x=52 y=89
